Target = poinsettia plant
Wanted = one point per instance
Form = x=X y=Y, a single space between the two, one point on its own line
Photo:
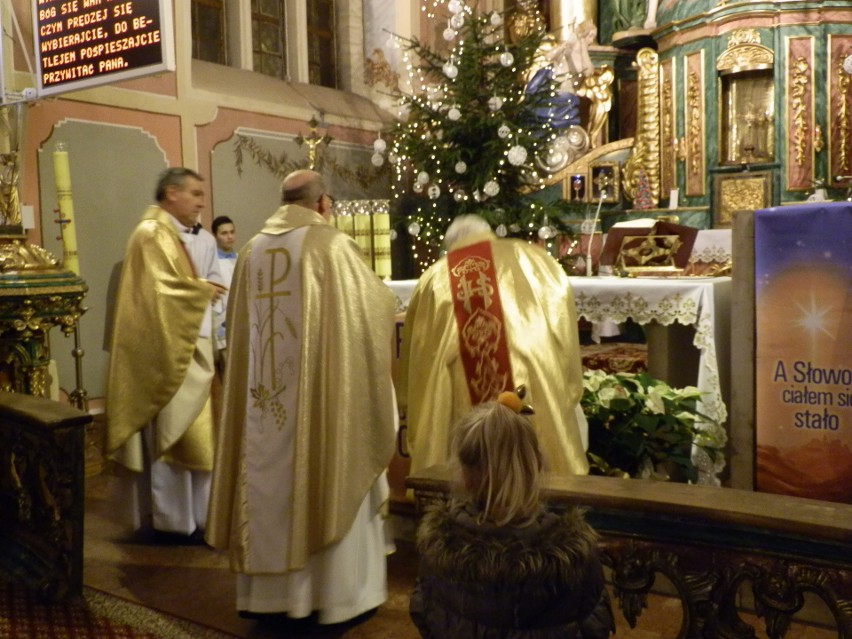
x=642 y=427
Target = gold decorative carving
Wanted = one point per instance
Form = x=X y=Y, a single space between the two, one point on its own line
x=844 y=81
x=747 y=192
x=800 y=79
x=819 y=139
x=582 y=165
x=680 y=148
x=646 y=147
x=36 y=295
x=667 y=160
x=745 y=53
x=377 y=70
x=17 y=255
x=743 y=36
x=694 y=124
x=598 y=88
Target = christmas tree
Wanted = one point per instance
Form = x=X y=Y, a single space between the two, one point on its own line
x=481 y=120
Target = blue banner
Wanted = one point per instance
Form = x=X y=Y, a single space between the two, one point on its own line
x=803 y=386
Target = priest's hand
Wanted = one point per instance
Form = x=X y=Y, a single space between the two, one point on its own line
x=218 y=290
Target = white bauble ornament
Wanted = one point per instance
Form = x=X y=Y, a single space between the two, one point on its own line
x=496 y=19
x=457 y=21
x=422 y=177
x=417 y=187
x=501 y=230
x=393 y=158
x=504 y=131
x=393 y=234
x=454 y=6
x=517 y=155
x=450 y=34
x=506 y=59
x=433 y=192
x=414 y=229
x=450 y=70
x=379 y=145
x=454 y=113
x=491 y=188
x=514 y=228
x=495 y=102
x=459 y=195
x=461 y=167
x=377 y=159
x=545 y=232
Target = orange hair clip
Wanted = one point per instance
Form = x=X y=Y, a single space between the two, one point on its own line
x=513 y=399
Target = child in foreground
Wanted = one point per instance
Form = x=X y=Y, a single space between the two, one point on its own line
x=497 y=565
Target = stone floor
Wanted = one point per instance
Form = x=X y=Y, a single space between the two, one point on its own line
x=193 y=582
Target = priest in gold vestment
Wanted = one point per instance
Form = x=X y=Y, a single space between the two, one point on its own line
x=159 y=420
x=491 y=315
x=308 y=418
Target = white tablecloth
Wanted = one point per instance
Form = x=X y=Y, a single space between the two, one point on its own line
x=703 y=303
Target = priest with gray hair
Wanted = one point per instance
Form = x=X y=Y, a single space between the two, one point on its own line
x=489 y=316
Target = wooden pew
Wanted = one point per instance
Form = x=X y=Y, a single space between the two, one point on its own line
x=41 y=493
x=708 y=542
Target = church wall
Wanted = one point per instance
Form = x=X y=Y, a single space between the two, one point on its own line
x=119 y=137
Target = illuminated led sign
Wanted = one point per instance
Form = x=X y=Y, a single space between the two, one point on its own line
x=86 y=43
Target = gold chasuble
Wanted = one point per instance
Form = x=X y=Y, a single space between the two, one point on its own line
x=486 y=298
x=308 y=418
x=158 y=315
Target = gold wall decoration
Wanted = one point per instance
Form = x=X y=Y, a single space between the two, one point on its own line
x=745 y=53
x=695 y=124
x=839 y=109
x=668 y=180
x=799 y=80
x=800 y=114
x=604 y=182
x=378 y=71
x=740 y=192
x=646 y=147
x=597 y=87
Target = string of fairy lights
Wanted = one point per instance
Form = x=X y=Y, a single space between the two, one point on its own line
x=471 y=128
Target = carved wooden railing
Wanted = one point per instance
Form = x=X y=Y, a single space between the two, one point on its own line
x=41 y=493
x=709 y=542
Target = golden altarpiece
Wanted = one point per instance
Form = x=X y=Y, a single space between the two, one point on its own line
x=730 y=108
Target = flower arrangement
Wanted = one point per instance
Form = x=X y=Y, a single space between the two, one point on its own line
x=641 y=427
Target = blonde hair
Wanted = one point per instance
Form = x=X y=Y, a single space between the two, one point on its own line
x=501 y=463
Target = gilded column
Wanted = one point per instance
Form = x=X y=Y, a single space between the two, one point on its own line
x=646 y=147
x=668 y=130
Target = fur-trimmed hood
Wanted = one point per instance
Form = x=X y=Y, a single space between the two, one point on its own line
x=554 y=549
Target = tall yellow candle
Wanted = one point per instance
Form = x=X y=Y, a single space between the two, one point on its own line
x=62 y=176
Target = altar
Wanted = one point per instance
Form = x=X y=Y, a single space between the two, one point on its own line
x=664 y=307
x=687 y=327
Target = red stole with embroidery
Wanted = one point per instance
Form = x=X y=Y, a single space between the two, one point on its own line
x=479 y=317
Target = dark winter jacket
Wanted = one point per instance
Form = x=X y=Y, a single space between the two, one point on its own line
x=481 y=581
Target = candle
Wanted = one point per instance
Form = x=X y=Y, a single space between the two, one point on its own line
x=62 y=176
